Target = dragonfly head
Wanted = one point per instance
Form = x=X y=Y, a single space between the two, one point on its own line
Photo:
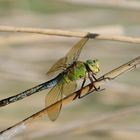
x=93 y=65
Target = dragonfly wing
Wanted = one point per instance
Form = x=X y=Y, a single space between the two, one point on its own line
x=69 y=88
x=70 y=57
x=53 y=96
x=75 y=51
x=59 y=65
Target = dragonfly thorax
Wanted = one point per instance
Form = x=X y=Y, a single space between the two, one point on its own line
x=76 y=71
x=80 y=69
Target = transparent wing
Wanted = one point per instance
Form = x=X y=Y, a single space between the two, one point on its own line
x=75 y=51
x=70 y=57
x=69 y=88
x=53 y=96
x=59 y=65
x=56 y=94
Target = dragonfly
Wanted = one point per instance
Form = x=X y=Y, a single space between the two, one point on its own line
x=73 y=70
x=49 y=84
x=65 y=82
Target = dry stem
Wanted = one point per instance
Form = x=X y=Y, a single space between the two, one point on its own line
x=70 y=34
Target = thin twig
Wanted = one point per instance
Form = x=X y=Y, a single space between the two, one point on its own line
x=19 y=127
x=33 y=38
x=70 y=34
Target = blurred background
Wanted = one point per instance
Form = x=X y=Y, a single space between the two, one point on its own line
x=25 y=59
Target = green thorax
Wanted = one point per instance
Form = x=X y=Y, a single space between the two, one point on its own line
x=76 y=71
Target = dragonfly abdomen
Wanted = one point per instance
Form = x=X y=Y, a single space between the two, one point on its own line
x=31 y=91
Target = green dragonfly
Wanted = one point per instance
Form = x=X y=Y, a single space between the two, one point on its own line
x=51 y=83
x=72 y=70
x=65 y=82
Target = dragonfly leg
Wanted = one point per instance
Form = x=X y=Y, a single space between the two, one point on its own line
x=90 y=92
x=94 y=77
x=78 y=95
x=99 y=88
x=91 y=76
